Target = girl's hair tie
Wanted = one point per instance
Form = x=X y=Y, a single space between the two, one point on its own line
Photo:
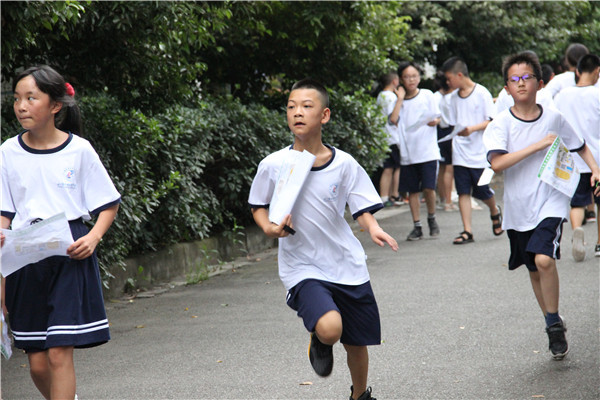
x=70 y=90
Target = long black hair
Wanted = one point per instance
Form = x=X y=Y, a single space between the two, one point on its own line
x=52 y=83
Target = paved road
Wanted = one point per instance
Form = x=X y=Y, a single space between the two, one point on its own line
x=456 y=325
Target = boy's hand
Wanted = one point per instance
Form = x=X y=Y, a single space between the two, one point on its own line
x=2 y=237
x=595 y=181
x=465 y=132
x=380 y=238
x=547 y=141
x=434 y=122
x=278 y=231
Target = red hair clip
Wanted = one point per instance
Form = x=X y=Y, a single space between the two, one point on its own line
x=70 y=90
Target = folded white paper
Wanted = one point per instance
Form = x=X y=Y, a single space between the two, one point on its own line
x=451 y=135
x=292 y=174
x=50 y=237
x=558 y=168
x=486 y=177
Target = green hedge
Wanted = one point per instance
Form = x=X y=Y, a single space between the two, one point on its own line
x=184 y=174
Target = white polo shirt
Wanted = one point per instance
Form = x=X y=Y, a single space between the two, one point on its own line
x=324 y=246
x=528 y=200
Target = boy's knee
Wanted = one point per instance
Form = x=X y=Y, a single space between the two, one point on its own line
x=329 y=327
x=544 y=262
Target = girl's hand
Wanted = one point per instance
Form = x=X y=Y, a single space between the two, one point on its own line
x=83 y=247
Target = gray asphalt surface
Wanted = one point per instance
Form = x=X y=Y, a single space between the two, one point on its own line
x=456 y=325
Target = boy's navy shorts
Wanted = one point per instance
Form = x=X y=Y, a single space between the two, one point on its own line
x=543 y=239
x=445 y=147
x=416 y=177
x=393 y=160
x=313 y=298
x=584 y=192
x=57 y=302
x=466 y=179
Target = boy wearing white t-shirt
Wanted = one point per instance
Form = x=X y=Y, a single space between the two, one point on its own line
x=573 y=54
x=472 y=108
x=580 y=105
x=419 y=152
x=387 y=99
x=517 y=141
x=321 y=262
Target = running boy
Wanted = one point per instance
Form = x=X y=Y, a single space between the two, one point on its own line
x=323 y=264
x=419 y=151
x=471 y=107
x=580 y=105
x=535 y=211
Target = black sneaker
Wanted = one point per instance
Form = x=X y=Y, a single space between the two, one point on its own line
x=320 y=356
x=558 y=343
x=590 y=216
x=434 y=228
x=365 y=396
x=416 y=234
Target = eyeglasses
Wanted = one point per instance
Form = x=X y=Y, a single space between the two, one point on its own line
x=410 y=77
x=526 y=78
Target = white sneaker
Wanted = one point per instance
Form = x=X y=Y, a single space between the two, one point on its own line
x=578 y=244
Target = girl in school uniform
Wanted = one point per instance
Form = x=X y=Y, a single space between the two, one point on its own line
x=54 y=305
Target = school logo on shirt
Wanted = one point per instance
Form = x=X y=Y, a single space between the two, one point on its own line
x=333 y=192
x=68 y=178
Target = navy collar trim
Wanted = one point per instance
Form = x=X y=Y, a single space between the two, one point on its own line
x=45 y=151
x=327 y=163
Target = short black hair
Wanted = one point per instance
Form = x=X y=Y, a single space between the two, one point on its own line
x=455 y=65
x=588 y=63
x=574 y=53
x=525 y=57
x=308 y=83
x=405 y=64
x=547 y=72
x=440 y=82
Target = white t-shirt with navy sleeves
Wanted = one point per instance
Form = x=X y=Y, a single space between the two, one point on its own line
x=581 y=107
x=477 y=107
x=37 y=184
x=418 y=141
x=528 y=200
x=324 y=246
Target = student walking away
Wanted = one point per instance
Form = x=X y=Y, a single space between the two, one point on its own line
x=443 y=94
x=517 y=141
x=323 y=264
x=573 y=54
x=55 y=305
x=390 y=177
x=419 y=152
x=580 y=105
x=472 y=108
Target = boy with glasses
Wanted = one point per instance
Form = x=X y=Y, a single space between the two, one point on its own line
x=517 y=141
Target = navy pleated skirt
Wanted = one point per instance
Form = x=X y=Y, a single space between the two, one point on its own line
x=57 y=302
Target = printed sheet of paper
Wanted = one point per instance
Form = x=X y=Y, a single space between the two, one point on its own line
x=423 y=119
x=452 y=134
x=50 y=237
x=292 y=174
x=6 y=345
x=558 y=168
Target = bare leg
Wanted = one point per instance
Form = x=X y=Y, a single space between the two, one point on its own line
x=548 y=281
x=448 y=176
x=385 y=182
x=464 y=204
x=395 y=182
x=39 y=369
x=537 y=289
x=358 y=363
x=577 y=214
x=415 y=206
x=430 y=200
